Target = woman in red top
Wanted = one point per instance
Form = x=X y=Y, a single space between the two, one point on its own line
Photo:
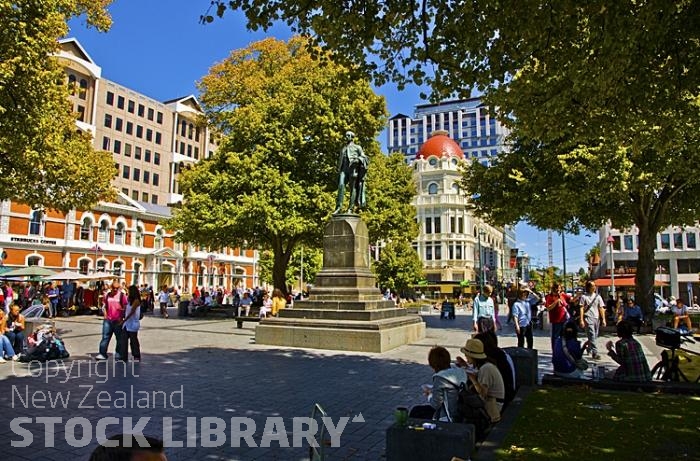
x=113 y=311
x=556 y=304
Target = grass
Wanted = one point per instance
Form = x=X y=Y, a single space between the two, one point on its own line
x=581 y=423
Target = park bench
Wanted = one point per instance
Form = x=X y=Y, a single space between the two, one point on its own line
x=240 y=320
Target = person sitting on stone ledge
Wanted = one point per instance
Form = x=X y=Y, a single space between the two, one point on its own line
x=244 y=305
x=633 y=314
x=485 y=378
x=680 y=313
x=444 y=392
x=628 y=353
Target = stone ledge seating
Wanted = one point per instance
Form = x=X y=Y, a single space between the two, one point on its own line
x=240 y=320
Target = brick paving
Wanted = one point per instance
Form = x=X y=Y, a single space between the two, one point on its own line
x=222 y=373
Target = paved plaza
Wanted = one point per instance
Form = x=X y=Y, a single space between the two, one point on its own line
x=207 y=368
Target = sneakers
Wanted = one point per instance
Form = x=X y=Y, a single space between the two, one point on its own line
x=15 y=358
x=2 y=360
x=100 y=357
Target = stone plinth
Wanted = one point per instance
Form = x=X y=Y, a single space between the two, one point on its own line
x=345 y=311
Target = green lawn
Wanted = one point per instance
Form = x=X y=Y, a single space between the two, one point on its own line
x=573 y=423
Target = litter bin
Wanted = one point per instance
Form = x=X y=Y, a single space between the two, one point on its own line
x=182 y=308
x=525 y=361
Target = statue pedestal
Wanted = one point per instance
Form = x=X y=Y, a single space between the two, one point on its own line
x=345 y=311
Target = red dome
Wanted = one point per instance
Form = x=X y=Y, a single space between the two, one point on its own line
x=439 y=145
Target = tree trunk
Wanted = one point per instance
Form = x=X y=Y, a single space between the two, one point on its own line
x=279 y=268
x=646 y=270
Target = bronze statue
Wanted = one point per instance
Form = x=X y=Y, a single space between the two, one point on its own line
x=352 y=167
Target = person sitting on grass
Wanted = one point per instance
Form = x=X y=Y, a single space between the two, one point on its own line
x=567 y=350
x=444 y=393
x=680 y=312
x=628 y=353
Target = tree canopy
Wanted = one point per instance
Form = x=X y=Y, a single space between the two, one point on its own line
x=282 y=116
x=602 y=98
x=46 y=161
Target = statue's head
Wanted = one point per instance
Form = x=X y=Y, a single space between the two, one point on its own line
x=349 y=135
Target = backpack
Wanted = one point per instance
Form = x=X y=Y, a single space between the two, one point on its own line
x=471 y=409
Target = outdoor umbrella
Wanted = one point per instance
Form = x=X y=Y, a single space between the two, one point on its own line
x=31 y=271
x=66 y=275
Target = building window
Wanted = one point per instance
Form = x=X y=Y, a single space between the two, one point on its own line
x=149 y=134
x=137 y=174
x=156 y=179
x=158 y=242
x=690 y=241
x=101 y=266
x=146 y=178
x=438 y=251
x=154 y=199
x=120 y=102
x=182 y=148
x=119 y=234
x=142 y=110
x=144 y=197
x=129 y=128
x=436 y=224
x=35 y=222
x=105 y=143
x=138 y=238
x=200 y=277
x=432 y=189
x=139 y=131
x=33 y=261
x=196 y=153
x=453 y=225
x=183 y=128
x=81 y=113
x=629 y=241
x=156 y=158
x=117 y=268
x=125 y=191
x=135 y=195
x=117 y=146
x=159 y=118
x=135 y=280
x=118 y=125
x=84 y=266
x=432 y=161
x=158 y=137
x=103 y=232
x=110 y=98
x=131 y=106
x=428 y=225
x=429 y=252
x=126 y=172
x=150 y=114
x=677 y=240
x=85 y=227
x=665 y=242
x=147 y=155
x=127 y=149
x=108 y=121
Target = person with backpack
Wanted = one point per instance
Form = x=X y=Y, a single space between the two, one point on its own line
x=131 y=325
x=444 y=393
x=485 y=378
x=592 y=315
x=113 y=316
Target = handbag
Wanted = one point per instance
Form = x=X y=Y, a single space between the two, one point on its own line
x=581 y=364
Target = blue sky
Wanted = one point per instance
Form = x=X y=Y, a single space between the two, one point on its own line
x=158 y=48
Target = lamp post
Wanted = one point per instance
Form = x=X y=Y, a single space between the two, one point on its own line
x=301 y=273
x=96 y=249
x=481 y=263
x=612 y=265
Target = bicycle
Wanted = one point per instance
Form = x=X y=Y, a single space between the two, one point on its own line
x=667 y=368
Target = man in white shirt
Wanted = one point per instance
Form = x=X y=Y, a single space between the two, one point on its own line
x=592 y=314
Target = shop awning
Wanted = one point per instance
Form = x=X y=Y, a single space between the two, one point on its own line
x=625 y=281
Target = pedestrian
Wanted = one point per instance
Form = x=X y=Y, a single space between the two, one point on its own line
x=53 y=293
x=556 y=304
x=131 y=326
x=113 y=315
x=592 y=315
x=163 y=298
x=522 y=316
x=484 y=311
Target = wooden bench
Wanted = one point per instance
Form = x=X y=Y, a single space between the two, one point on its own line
x=240 y=320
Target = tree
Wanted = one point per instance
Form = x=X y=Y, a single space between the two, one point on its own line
x=601 y=97
x=271 y=183
x=312 y=262
x=46 y=162
x=391 y=217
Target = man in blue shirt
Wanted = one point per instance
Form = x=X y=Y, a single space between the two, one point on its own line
x=633 y=314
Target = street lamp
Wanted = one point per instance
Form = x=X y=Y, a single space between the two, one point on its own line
x=481 y=262
x=96 y=249
x=612 y=265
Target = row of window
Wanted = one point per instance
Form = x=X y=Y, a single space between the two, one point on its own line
x=144 y=196
x=189 y=150
x=433 y=226
x=77 y=88
x=135 y=174
x=116 y=147
x=103 y=234
x=119 y=126
x=131 y=107
x=666 y=241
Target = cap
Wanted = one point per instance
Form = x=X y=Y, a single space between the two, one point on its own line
x=474 y=349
